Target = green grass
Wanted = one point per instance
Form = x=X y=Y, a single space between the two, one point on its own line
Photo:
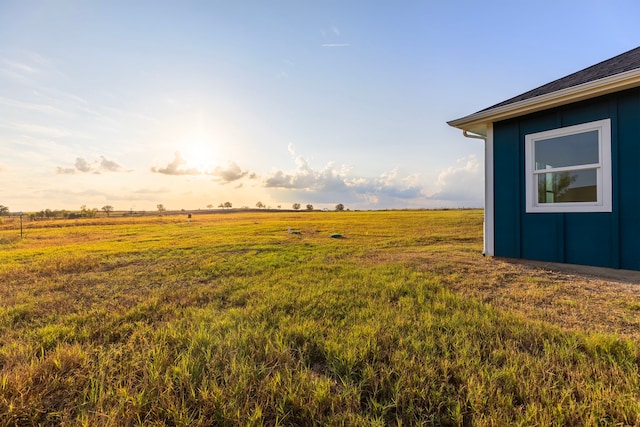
x=230 y=320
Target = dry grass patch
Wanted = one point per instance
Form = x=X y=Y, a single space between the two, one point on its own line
x=230 y=320
x=561 y=295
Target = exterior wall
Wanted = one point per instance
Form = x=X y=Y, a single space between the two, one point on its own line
x=599 y=239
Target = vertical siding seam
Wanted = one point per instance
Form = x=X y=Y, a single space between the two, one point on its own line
x=615 y=172
x=490 y=191
x=519 y=187
x=562 y=232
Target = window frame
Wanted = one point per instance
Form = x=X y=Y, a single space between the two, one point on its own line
x=603 y=170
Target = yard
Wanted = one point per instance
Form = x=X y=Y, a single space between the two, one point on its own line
x=232 y=320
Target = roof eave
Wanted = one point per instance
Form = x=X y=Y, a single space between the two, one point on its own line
x=477 y=122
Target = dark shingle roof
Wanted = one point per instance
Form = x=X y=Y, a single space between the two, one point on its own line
x=618 y=64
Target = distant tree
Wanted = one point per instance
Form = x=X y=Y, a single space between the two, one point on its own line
x=279 y=206
x=296 y=206
x=4 y=210
x=260 y=205
x=161 y=208
x=209 y=206
x=339 y=207
x=227 y=205
x=221 y=205
x=107 y=209
x=309 y=207
x=85 y=212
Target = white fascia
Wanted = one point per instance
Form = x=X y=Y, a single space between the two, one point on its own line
x=477 y=122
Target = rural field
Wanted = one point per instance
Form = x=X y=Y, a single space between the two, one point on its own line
x=228 y=319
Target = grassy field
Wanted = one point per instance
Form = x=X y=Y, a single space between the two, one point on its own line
x=230 y=320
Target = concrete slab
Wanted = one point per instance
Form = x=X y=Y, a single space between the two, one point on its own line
x=609 y=274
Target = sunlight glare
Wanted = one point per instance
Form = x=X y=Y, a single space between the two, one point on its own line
x=199 y=156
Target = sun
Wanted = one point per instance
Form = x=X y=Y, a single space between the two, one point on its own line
x=198 y=156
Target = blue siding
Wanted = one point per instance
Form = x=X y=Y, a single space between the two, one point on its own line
x=629 y=179
x=541 y=234
x=507 y=176
x=588 y=239
x=600 y=239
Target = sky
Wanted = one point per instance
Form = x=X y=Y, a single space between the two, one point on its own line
x=191 y=104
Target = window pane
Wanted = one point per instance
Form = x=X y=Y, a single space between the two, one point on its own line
x=568 y=187
x=568 y=150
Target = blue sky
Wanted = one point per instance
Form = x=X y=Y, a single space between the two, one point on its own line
x=195 y=103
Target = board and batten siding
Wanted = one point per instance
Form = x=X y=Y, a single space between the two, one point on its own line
x=607 y=239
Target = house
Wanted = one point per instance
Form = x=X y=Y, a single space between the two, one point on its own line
x=562 y=168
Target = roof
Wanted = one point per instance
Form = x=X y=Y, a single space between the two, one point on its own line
x=615 y=74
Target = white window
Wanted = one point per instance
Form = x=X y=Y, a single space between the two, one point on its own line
x=569 y=169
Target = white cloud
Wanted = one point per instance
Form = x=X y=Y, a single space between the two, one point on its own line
x=17 y=71
x=333 y=183
x=230 y=173
x=65 y=171
x=109 y=165
x=388 y=185
x=462 y=183
x=26 y=67
x=176 y=167
x=33 y=129
x=19 y=67
x=332 y=37
x=81 y=165
x=305 y=178
x=222 y=174
x=35 y=107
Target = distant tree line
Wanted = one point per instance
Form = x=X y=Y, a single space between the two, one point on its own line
x=86 y=212
x=296 y=206
x=260 y=205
